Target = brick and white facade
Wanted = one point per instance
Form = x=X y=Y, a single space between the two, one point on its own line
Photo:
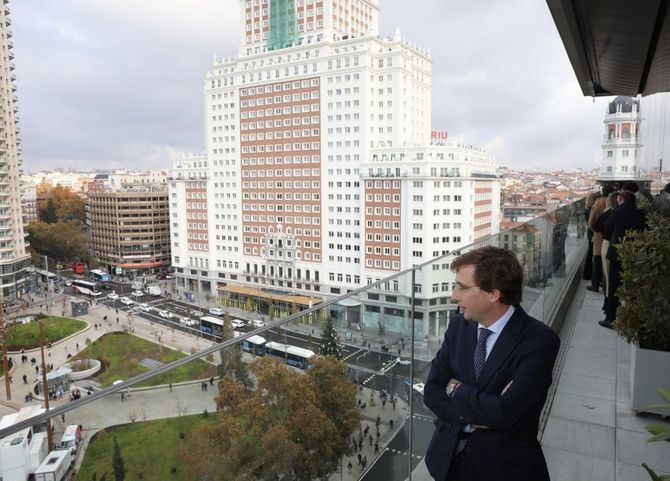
x=319 y=173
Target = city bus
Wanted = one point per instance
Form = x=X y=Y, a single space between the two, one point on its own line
x=211 y=325
x=86 y=287
x=292 y=355
x=254 y=345
x=44 y=275
x=99 y=275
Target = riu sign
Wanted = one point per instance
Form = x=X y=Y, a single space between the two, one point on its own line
x=438 y=136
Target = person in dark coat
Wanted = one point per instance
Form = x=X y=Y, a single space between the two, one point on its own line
x=623 y=218
x=489 y=380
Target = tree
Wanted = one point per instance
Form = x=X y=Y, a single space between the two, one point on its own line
x=49 y=214
x=231 y=358
x=117 y=463
x=62 y=240
x=330 y=340
x=69 y=206
x=311 y=416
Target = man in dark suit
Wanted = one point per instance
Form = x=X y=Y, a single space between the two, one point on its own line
x=489 y=380
x=625 y=217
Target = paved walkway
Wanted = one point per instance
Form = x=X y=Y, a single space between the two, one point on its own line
x=592 y=432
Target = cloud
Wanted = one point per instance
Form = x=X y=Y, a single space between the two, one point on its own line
x=107 y=83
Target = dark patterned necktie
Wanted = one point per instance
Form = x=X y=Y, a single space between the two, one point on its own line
x=480 y=351
x=480 y=359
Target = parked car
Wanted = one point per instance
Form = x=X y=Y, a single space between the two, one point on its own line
x=165 y=314
x=113 y=296
x=162 y=276
x=236 y=323
x=126 y=301
x=137 y=293
x=403 y=361
x=145 y=307
x=257 y=323
x=216 y=311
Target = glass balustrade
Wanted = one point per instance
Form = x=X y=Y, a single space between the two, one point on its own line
x=247 y=394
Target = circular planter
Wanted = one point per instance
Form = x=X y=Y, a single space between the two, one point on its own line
x=79 y=375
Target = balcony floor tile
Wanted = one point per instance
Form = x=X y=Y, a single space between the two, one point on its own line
x=568 y=466
x=579 y=437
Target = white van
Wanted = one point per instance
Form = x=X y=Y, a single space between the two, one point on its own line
x=71 y=437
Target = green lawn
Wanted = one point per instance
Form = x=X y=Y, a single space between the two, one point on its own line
x=27 y=336
x=121 y=354
x=149 y=449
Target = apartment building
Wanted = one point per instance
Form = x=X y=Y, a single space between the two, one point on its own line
x=129 y=228
x=13 y=257
x=321 y=171
x=28 y=202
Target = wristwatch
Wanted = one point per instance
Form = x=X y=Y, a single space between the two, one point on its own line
x=452 y=386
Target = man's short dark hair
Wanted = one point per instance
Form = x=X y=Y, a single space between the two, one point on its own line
x=627 y=196
x=630 y=187
x=607 y=190
x=495 y=268
x=667 y=188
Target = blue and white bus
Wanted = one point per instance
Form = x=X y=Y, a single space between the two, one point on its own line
x=291 y=355
x=211 y=325
x=254 y=345
x=99 y=275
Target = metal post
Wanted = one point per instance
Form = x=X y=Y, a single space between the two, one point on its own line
x=45 y=387
x=411 y=379
x=5 y=361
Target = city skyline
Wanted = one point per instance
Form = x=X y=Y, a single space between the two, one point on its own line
x=135 y=100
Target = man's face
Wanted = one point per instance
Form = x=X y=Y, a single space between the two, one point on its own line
x=475 y=304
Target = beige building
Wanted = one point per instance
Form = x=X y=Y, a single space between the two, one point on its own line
x=13 y=257
x=28 y=202
x=130 y=228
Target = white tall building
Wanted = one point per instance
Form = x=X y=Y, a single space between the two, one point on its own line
x=13 y=257
x=622 y=142
x=321 y=172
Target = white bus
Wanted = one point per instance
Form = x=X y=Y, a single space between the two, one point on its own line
x=211 y=325
x=86 y=287
x=99 y=275
x=291 y=355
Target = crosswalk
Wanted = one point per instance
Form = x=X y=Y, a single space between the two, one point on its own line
x=386 y=367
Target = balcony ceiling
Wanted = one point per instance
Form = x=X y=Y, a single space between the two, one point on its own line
x=616 y=47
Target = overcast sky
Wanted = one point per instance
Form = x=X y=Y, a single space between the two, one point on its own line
x=105 y=84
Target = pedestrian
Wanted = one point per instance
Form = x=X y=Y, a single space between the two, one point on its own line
x=376 y=448
x=123 y=396
x=365 y=462
x=360 y=459
x=349 y=466
x=25 y=379
x=378 y=421
x=370 y=439
x=211 y=381
x=77 y=346
x=391 y=424
x=383 y=403
x=367 y=430
x=170 y=387
x=37 y=369
x=62 y=418
x=360 y=445
x=394 y=402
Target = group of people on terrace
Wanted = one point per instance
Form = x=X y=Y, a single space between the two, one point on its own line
x=611 y=213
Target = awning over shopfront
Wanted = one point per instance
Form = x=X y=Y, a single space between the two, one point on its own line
x=270 y=296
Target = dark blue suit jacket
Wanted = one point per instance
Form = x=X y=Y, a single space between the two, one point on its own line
x=525 y=353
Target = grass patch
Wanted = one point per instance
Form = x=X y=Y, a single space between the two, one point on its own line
x=27 y=336
x=121 y=353
x=150 y=449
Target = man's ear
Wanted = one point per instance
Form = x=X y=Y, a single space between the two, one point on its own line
x=495 y=296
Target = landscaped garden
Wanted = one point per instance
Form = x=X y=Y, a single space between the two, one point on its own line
x=121 y=353
x=27 y=336
x=150 y=450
